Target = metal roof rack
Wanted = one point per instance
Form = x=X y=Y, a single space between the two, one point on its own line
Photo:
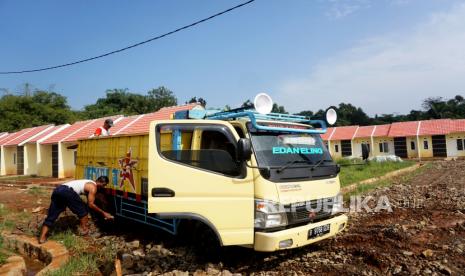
x=254 y=116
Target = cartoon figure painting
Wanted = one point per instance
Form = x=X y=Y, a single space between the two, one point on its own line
x=127 y=165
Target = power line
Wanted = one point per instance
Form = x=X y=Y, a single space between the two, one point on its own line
x=131 y=46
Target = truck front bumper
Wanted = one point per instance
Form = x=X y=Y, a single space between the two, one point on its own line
x=298 y=236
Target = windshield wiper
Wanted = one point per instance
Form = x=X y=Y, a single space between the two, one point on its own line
x=282 y=168
x=319 y=163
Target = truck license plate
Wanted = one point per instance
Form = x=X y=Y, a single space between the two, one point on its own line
x=319 y=231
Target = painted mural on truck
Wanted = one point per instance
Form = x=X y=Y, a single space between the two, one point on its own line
x=121 y=178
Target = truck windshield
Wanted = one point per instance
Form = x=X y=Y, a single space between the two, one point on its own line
x=276 y=149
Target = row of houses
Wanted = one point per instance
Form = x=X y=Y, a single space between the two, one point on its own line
x=414 y=139
x=50 y=151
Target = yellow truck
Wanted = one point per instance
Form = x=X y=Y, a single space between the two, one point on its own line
x=264 y=181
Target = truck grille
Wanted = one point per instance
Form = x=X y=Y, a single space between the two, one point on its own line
x=309 y=211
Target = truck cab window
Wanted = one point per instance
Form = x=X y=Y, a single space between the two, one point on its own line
x=215 y=151
x=239 y=131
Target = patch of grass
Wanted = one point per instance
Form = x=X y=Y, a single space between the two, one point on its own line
x=84 y=264
x=70 y=240
x=7 y=225
x=15 y=177
x=36 y=191
x=11 y=219
x=5 y=221
x=365 y=188
x=81 y=262
x=3 y=256
x=355 y=173
x=107 y=253
x=3 y=210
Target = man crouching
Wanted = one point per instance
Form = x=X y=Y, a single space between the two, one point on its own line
x=68 y=195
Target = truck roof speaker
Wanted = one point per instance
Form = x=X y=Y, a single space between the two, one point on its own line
x=331 y=116
x=263 y=103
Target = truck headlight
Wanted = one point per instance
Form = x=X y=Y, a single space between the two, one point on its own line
x=338 y=205
x=269 y=214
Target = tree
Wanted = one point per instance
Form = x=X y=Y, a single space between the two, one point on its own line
x=306 y=113
x=34 y=108
x=247 y=104
x=432 y=108
x=161 y=97
x=121 y=101
x=347 y=114
x=278 y=109
x=200 y=100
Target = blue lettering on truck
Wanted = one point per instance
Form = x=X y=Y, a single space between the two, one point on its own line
x=287 y=150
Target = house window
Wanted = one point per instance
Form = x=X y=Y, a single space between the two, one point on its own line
x=14 y=158
x=425 y=145
x=336 y=148
x=384 y=147
x=460 y=143
x=412 y=145
x=346 y=148
x=75 y=156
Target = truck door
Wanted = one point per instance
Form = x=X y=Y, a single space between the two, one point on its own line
x=193 y=173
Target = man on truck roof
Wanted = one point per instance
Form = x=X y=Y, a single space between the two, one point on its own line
x=68 y=195
x=104 y=130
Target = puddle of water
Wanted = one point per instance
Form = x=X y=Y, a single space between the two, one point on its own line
x=33 y=266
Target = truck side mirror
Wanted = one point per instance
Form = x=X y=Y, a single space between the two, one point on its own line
x=244 y=149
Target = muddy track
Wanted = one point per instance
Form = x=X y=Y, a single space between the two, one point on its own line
x=424 y=234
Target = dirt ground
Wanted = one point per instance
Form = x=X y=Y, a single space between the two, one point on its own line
x=423 y=235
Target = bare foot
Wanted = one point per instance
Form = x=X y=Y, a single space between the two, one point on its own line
x=42 y=240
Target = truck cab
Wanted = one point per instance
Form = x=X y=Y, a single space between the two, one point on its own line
x=262 y=181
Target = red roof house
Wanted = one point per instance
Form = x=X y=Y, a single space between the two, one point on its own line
x=344 y=133
x=78 y=130
x=435 y=127
x=457 y=126
x=328 y=134
x=14 y=136
x=381 y=130
x=48 y=132
x=364 y=132
x=403 y=129
x=89 y=129
x=141 y=124
x=31 y=133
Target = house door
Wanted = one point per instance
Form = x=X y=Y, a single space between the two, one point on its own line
x=400 y=147
x=55 y=160
x=439 y=146
x=20 y=161
x=346 y=148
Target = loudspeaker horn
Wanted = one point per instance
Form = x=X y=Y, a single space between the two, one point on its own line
x=331 y=116
x=263 y=103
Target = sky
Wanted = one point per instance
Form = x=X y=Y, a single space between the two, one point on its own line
x=385 y=56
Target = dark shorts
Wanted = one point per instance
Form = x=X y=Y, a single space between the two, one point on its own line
x=62 y=197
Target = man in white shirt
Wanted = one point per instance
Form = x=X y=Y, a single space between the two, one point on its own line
x=68 y=195
x=104 y=130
